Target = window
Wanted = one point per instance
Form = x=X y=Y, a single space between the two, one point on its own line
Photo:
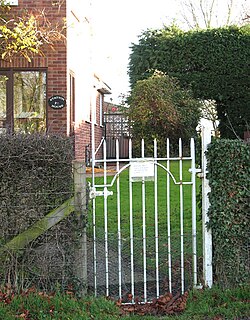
x=3 y=102
x=29 y=101
x=23 y=101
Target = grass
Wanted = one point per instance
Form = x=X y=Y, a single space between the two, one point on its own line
x=35 y=306
x=205 y=304
x=228 y=304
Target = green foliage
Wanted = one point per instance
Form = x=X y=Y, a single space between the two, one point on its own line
x=21 y=38
x=214 y=62
x=229 y=178
x=27 y=34
x=160 y=109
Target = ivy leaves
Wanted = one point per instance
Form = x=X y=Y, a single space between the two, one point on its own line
x=228 y=174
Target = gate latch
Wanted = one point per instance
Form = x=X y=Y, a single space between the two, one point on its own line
x=198 y=171
x=93 y=193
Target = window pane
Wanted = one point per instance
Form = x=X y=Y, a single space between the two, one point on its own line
x=30 y=101
x=3 y=98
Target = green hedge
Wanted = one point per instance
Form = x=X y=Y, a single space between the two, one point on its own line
x=214 y=63
x=229 y=213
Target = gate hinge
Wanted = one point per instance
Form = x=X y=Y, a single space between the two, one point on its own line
x=93 y=193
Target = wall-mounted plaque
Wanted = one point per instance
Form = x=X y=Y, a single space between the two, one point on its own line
x=57 y=102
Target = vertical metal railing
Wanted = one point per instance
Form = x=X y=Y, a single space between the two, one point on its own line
x=105 y=199
x=156 y=222
x=94 y=227
x=181 y=216
x=131 y=228
x=169 y=221
x=144 y=236
x=119 y=221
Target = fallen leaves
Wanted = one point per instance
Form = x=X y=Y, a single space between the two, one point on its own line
x=164 y=305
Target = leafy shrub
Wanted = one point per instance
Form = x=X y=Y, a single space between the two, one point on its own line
x=229 y=213
x=161 y=109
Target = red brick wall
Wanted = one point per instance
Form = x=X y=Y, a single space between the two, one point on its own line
x=54 y=61
x=99 y=132
x=83 y=136
x=83 y=139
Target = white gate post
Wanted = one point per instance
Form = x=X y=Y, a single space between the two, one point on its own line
x=207 y=234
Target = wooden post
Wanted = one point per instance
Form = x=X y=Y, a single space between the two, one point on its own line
x=19 y=242
x=80 y=262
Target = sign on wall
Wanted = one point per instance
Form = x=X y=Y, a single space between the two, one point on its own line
x=57 y=102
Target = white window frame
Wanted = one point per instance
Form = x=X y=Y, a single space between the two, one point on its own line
x=101 y=109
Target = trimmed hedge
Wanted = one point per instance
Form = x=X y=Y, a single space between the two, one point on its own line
x=229 y=213
x=36 y=177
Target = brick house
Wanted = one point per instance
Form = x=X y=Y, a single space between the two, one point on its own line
x=55 y=93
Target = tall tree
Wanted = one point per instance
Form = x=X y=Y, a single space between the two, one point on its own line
x=214 y=62
x=200 y=14
x=27 y=34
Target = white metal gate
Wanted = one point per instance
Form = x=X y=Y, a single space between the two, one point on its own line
x=165 y=261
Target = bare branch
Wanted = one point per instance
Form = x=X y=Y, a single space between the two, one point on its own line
x=210 y=14
x=203 y=12
x=213 y=13
x=229 y=12
x=28 y=34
